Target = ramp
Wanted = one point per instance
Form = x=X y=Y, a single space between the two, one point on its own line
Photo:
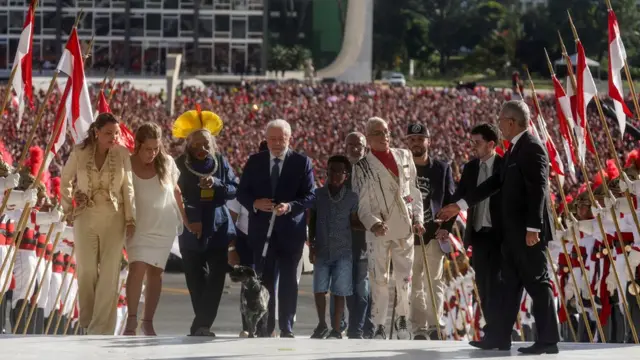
x=354 y=62
x=227 y=347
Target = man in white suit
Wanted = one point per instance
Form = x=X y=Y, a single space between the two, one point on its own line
x=390 y=208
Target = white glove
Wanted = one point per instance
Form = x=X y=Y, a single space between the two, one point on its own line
x=57 y=215
x=11 y=181
x=569 y=292
x=59 y=228
x=31 y=196
x=587 y=226
x=561 y=234
x=611 y=284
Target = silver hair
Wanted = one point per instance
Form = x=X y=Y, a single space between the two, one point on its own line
x=280 y=124
x=518 y=110
x=213 y=145
x=373 y=122
x=359 y=135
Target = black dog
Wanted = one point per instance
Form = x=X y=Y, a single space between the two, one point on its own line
x=254 y=297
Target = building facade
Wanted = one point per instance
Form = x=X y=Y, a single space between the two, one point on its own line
x=134 y=36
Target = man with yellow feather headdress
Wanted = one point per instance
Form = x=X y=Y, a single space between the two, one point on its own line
x=207 y=182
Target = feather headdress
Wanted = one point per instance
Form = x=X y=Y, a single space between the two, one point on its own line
x=195 y=120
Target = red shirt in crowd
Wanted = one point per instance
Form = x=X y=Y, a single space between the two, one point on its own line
x=386 y=158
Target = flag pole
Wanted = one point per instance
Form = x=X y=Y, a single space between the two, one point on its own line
x=59 y=294
x=558 y=226
x=7 y=95
x=35 y=125
x=632 y=89
x=614 y=213
x=627 y=194
x=47 y=267
x=570 y=218
x=103 y=85
x=605 y=186
x=32 y=283
x=57 y=128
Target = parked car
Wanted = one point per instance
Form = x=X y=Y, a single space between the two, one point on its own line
x=394 y=79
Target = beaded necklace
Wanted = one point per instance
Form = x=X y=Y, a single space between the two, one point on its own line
x=340 y=195
x=187 y=164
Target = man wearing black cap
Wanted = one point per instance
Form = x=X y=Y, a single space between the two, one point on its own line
x=435 y=181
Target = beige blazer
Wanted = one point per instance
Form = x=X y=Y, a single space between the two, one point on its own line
x=116 y=175
x=384 y=197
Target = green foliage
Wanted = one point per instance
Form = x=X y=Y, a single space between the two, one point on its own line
x=493 y=36
x=288 y=58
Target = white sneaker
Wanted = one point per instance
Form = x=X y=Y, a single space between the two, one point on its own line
x=244 y=334
x=402 y=331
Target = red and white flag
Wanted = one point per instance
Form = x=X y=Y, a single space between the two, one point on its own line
x=617 y=58
x=543 y=135
x=61 y=116
x=126 y=138
x=22 y=81
x=79 y=102
x=565 y=118
x=585 y=91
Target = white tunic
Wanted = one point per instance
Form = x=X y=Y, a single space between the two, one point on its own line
x=157 y=219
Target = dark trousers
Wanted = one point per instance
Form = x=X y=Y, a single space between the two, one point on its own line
x=205 y=273
x=486 y=261
x=635 y=312
x=246 y=259
x=3 y=315
x=38 y=318
x=23 y=320
x=280 y=266
x=525 y=268
x=55 y=314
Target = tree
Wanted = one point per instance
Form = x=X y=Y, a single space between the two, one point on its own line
x=279 y=59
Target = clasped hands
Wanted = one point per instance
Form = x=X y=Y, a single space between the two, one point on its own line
x=267 y=205
x=452 y=210
x=206 y=182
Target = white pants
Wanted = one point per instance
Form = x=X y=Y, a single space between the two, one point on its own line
x=422 y=314
x=401 y=252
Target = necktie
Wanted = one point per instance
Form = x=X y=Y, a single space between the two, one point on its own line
x=275 y=174
x=482 y=207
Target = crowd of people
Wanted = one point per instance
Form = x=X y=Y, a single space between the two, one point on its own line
x=393 y=193
x=320 y=117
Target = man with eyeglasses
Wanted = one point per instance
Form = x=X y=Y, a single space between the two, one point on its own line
x=390 y=208
x=523 y=182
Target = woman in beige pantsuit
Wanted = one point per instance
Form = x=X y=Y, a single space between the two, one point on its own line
x=103 y=214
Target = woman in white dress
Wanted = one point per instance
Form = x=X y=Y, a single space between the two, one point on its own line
x=160 y=215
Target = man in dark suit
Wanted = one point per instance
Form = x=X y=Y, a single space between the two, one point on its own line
x=435 y=181
x=483 y=220
x=281 y=181
x=523 y=185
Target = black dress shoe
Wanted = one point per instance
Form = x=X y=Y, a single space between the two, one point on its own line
x=490 y=345
x=286 y=334
x=539 y=349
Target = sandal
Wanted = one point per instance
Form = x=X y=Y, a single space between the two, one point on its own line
x=147 y=328
x=132 y=325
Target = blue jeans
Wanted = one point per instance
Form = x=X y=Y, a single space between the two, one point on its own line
x=358 y=304
x=333 y=275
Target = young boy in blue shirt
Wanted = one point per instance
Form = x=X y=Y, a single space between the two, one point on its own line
x=332 y=217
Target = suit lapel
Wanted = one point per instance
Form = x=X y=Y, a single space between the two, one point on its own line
x=398 y=158
x=380 y=168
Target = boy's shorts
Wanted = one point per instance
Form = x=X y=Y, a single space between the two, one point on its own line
x=334 y=275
